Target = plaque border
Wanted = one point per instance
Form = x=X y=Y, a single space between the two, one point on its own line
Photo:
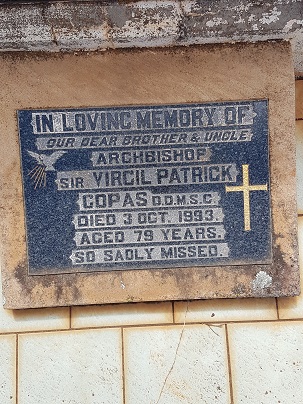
x=158 y=265
x=281 y=278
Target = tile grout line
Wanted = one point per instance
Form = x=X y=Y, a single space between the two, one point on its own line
x=175 y=357
x=123 y=365
x=173 y=308
x=17 y=369
x=231 y=393
x=70 y=317
x=277 y=308
x=144 y=325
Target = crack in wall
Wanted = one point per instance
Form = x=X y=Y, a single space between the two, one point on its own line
x=210 y=326
x=175 y=356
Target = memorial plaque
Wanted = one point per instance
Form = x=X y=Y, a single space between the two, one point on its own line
x=132 y=176
x=146 y=187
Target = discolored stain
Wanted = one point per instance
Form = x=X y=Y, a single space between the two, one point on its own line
x=240 y=290
x=20 y=273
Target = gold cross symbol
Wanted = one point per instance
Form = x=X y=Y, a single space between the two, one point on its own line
x=246 y=188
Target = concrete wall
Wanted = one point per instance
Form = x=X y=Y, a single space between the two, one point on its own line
x=90 y=25
x=219 y=351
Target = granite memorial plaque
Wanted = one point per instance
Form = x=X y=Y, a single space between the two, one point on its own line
x=135 y=176
x=146 y=187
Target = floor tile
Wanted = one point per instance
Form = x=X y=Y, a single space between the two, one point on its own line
x=267 y=362
x=171 y=365
x=122 y=314
x=78 y=367
x=7 y=369
x=33 y=319
x=225 y=310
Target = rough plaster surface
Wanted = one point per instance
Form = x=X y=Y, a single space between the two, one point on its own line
x=91 y=25
x=147 y=77
x=299 y=138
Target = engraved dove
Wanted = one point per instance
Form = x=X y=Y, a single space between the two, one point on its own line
x=45 y=163
x=47 y=160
